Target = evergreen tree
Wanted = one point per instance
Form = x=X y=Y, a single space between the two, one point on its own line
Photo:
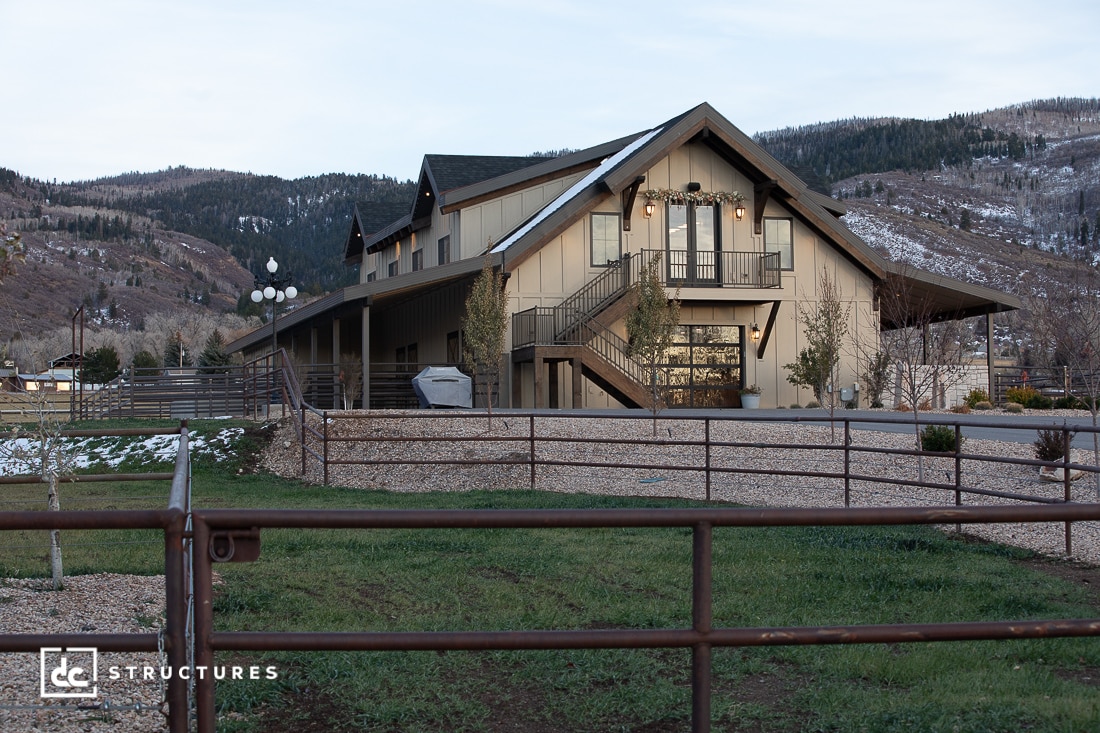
x=176 y=354
x=214 y=359
x=100 y=366
x=145 y=364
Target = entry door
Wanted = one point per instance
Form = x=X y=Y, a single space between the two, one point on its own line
x=693 y=251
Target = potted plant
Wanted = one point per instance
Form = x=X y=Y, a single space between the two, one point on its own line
x=750 y=397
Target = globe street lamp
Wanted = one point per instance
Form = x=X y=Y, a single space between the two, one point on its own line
x=276 y=289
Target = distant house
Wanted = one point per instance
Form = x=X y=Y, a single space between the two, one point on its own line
x=738 y=233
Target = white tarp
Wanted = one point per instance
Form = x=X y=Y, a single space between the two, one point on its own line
x=443 y=387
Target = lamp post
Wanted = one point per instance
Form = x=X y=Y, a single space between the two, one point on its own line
x=276 y=289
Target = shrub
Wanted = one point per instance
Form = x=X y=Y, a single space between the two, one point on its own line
x=813 y=404
x=975 y=396
x=1042 y=402
x=1050 y=445
x=1022 y=395
x=925 y=405
x=963 y=409
x=939 y=439
x=1014 y=407
x=903 y=407
x=1028 y=397
x=985 y=405
x=1069 y=402
x=796 y=406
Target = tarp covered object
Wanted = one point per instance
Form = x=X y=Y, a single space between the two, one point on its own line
x=443 y=387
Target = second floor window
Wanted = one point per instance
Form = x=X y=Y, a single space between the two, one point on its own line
x=418 y=260
x=391 y=270
x=779 y=237
x=445 y=250
x=606 y=239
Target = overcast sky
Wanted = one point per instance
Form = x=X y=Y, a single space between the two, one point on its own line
x=97 y=88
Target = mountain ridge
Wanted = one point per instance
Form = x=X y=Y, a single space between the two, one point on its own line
x=978 y=196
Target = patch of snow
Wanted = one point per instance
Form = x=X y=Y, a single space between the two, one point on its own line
x=112 y=451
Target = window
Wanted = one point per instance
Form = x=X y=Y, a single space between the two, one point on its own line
x=778 y=237
x=391 y=270
x=606 y=239
x=418 y=260
x=693 y=246
x=371 y=276
x=445 y=250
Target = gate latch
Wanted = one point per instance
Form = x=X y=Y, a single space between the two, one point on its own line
x=235 y=545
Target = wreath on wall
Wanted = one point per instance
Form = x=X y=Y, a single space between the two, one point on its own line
x=706 y=198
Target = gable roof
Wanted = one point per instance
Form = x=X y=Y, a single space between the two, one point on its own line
x=451 y=182
x=704 y=124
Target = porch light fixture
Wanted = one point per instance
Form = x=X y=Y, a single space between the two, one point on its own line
x=650 y=206
x=755 y=333
x=739 y=210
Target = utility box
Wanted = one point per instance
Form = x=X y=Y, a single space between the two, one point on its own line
x=846 y=394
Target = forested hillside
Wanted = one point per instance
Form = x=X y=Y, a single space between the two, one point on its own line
x=1008 y=198
x=302 y=223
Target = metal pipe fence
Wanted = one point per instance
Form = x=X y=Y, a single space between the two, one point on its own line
x=174 y=520
x=220 y=529
x=340 y=443
x=234 y=535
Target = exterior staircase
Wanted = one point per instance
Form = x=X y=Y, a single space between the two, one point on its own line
x=577 y=330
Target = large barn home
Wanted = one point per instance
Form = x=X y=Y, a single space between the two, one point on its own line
x=740 y=237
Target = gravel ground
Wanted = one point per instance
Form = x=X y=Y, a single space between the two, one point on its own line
x=106 y=603
x=88 y=603
x=645 y=469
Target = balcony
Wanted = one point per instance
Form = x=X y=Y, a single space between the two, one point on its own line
x=709 y=269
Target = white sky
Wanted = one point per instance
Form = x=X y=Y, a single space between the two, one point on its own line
x=97 y=88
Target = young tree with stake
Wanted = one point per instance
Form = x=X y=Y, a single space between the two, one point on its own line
x=650 y=328
x=484 y=327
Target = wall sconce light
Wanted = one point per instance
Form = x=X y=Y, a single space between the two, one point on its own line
x=755 y=333
x=694 y=186
x=739 y=210
x=649 y=208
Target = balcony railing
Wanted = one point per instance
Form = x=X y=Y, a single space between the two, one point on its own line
x=719 y=269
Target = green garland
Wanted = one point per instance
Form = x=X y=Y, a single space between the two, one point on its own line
x=707 y=198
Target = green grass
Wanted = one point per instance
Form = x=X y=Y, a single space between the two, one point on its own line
x=590 y=579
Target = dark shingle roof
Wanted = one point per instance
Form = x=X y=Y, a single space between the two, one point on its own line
x=374 y=216
x=455 y=171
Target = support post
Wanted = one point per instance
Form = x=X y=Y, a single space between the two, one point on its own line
x=702 y=618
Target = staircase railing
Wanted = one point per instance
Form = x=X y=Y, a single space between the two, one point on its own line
x=595 y=295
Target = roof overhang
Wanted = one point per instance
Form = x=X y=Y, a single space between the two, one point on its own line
x=378 y=294
x=936 y=298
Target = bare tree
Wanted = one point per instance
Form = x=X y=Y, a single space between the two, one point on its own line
x=485 y=324
x=38 y=447
x=927 y=349
x=1066 y=332
x=351 y=378
x=650 y=328
x=825 y=325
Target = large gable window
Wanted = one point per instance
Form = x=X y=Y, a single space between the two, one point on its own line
x=606 y=239
x=779 y=238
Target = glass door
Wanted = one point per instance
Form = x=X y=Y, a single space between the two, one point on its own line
x=693 y=247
